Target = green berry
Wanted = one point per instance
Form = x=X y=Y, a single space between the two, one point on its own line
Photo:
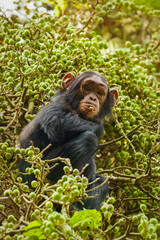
x=32 y=195
x=56 y=196
x=26 y=53
x=111 y=200
x=1 y=208
x=59 y=189
x=66 y=170
x=47 y=28
x=34 y=183
x=143 y=207
x=153 y=221
x=128 y=44
x=49 y=204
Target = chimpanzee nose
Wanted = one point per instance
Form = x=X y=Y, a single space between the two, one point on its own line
x=93 y=98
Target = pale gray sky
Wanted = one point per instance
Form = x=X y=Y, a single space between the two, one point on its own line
x=6 y=4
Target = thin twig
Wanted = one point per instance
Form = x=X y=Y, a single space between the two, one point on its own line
x=120 y=138
x=90 y=190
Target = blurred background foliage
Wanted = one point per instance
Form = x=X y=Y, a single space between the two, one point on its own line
x=39 y=43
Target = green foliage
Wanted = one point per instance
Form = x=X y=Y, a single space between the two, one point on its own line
x=151 y=3
x=86 y=219
x=119 y=39
x=33 y=230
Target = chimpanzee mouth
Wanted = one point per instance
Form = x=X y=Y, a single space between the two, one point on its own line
x=91 y=108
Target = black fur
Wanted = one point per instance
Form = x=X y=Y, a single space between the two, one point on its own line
x=71 y=136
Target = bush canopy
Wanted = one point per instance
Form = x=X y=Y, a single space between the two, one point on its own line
x=120 y=40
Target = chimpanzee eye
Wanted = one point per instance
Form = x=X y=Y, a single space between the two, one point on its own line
x=86 y=87
x=100 y=93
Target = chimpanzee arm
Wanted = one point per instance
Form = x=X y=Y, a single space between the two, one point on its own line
x=73 y=124
x=51 y=124
x=59 y=124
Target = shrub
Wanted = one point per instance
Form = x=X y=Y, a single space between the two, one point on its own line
x=35 y=54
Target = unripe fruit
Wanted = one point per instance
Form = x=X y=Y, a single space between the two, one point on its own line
x=11 y=218
x=1 y=208
x=110 y=208
x=111 y=200
x=8 y=155
x=66 y=170
x=75 y=172
x=56 y=196
x=34 y=183
x=59 y=189
x=153 y=221
x=16 y=192
x=151 y=228
x=32 y=195
x=143 y=207
x=49 y=204
x=37 y=172
x=55 y=235
x=25 y=187
x=64 y=198
x=37 y=212
x=26 y=53
x=135 y=137
x=68 y=230
x=118 y=144
x=31 y=170
x=1 y=129
x=47 y=28
x=7 y=237
x=128 y=44
x=121 y=221
x=76 y=192
x=85 y=180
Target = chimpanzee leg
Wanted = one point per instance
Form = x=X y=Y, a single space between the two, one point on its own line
x=81 y=151
x=98 y=194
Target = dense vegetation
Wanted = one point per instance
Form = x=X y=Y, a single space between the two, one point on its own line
x=119 y=39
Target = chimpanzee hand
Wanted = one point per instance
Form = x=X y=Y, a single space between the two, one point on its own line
x=79 y=125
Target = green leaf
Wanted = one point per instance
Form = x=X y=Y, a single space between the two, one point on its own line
x=86 y=219
x=33 y=231
x=150 y=3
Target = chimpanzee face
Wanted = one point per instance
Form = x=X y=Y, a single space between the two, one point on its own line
x=94 y=93
x=89 y=94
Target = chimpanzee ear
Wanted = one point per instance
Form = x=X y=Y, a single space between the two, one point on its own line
x=114 y=97
x=67 y=79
